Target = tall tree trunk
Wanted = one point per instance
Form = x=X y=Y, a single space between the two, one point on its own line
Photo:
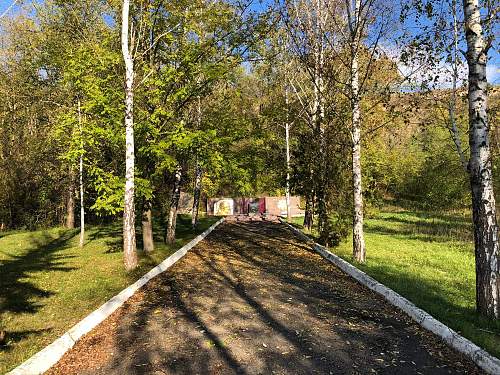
x=82 y=207
x=455 y=134
x=308 y=214
x=129 y=242
x=198 y=176
x=287 y=140
x=196 y=195
x=359 y=250
x=147 y=227
x=174 y=204
x=70 y=203
x=483 y=199
x=318 y=118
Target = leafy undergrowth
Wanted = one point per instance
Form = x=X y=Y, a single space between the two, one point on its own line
x=48 y=283
x=429 y=259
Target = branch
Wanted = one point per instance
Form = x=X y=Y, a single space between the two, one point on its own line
x=8 y=9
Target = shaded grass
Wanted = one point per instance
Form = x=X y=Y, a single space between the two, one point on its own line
x=48 y=283
x=428 y=258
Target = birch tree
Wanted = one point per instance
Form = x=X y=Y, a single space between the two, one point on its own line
x=478 y=40
x=318 y=25
x=287 y=145
x=368 y=22
x=198 y=173
x=480 y=166
x=286 y=65
x=305 y=22
x=80 y=162
x=174 y=204
x=129 y=241
x=355 y=29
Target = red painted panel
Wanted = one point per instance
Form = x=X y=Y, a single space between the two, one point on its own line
x=262 y=205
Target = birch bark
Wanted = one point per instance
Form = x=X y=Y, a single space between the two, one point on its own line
x=480 y=169
x=359 y=251
x=174 y=204
x=287 y=140
x=82 y=207
x=129 y=241
x=319 y=114
x=198 y=176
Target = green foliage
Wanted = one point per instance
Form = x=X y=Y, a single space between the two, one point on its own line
x=29 y=177
x=109 y=190
x=78 y=61
x=416 y=161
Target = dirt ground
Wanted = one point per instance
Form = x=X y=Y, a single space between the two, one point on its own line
x=253 y=299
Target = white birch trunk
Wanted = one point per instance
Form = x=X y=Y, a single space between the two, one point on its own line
x=174 y=203
x=82 y=208
x=198 y=176
x=319 y=115
x=287 y=140
x=129 y=241
x=359 y=251
x=480 y=169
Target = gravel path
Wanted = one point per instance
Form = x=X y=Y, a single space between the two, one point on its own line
x=253 y=299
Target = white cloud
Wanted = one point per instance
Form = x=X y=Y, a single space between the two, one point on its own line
x=424 y=69
x=419 y=70
x=493 y=74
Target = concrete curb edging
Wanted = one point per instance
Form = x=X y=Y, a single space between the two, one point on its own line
x=483 y=359
x=51 y=354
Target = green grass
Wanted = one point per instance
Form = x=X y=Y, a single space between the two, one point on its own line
x=429 y=259
x=48 y=283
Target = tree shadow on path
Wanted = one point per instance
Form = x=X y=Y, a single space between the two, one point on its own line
x=250 y=299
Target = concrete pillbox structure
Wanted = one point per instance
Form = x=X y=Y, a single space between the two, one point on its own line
x=273 y=206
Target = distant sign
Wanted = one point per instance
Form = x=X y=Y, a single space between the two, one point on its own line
x=253 y=208
x=282 y=206
x=224 y=207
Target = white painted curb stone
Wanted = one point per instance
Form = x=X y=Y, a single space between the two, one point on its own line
x=51 y=354
x=483 y=359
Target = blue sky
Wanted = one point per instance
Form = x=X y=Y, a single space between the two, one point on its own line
x=4 y=4
x=493 y=69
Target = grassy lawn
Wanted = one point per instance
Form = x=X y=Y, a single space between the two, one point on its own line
x=429 y=259
x=47 y=283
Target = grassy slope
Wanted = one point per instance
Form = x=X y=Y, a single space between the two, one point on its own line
x=429 y=259
x=47 y=283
